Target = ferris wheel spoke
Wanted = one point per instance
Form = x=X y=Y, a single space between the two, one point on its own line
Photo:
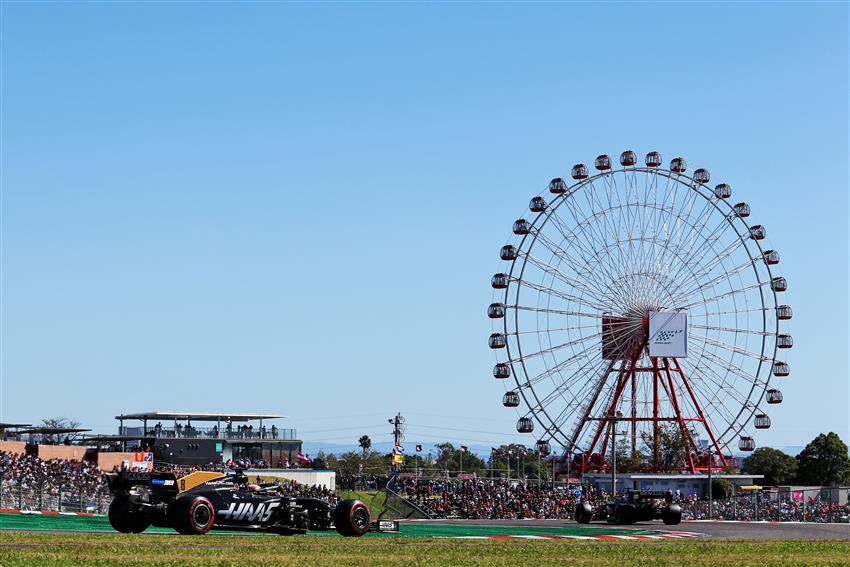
x=734 y=330
x=557 y=347
x=674 y=225
x=556 y=312
x=555 y=369
x=718 y=313
x=731 y=348
x=591 y=265
x=608 y=231
x=698 y=271
x=560 y=294
x=556 y=273
x=563 y=255
x=564 y=386
x=593 y=242
x=701 y=235
x=723 y=387
x=724 y=275
x=725 y=295
x=557 y=330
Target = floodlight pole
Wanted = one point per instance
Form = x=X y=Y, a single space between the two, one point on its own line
x=614 y=453
x=710 y=462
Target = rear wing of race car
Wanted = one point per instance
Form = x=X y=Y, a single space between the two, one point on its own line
x=123 y=481
x=666 y=495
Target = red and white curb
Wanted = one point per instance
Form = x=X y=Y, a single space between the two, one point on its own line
x=44 y=513
x=666 y=535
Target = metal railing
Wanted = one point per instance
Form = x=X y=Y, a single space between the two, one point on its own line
x=191 y=432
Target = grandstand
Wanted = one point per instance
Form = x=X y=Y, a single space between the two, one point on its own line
x=191 y=438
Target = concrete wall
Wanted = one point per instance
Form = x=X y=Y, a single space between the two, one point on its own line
x=67 y=452
x=17 y=447
x=108 y=461
x=301 y=476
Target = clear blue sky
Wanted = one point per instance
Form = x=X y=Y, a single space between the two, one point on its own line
x=297 y=208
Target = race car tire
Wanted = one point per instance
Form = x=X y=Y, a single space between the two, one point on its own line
x=352 y=518
x=124 y=519
x=192 y=516
x=584 y=513
x=672 y=515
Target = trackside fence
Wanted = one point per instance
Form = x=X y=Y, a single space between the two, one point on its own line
x=822 y=505
x=54 y=498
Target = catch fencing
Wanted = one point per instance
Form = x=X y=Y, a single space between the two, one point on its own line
x=821 y=505
x=54 y=498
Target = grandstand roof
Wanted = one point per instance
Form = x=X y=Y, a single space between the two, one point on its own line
x=109 y=438
x=54 y=430
x=16 y=425
x=159 y=415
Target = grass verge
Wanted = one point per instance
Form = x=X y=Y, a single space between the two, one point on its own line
x=25 y=549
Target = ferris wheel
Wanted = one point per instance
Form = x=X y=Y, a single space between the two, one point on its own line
x=640 y=298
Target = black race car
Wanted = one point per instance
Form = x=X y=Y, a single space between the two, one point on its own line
x=635 y=506
x=203 y=501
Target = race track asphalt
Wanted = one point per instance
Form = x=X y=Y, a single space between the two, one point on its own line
x=720 y=530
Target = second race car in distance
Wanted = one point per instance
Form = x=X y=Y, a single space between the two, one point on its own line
x=635 y=506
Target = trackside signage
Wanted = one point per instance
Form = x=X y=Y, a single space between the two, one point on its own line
x=668 y=334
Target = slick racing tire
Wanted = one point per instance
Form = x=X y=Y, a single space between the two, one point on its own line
x=192 y=516
x=672 y=515
x=352 y=518
x=584 y=513
x=123 y=518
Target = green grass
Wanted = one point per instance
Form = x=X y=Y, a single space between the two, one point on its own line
x=55 y=523
x=106 y=549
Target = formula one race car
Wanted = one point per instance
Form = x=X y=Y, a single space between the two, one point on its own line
x=635 y=506
x=201 y=501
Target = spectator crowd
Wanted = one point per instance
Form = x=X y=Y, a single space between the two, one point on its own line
x=492 y=499
x=29 y=471
x=500 y=499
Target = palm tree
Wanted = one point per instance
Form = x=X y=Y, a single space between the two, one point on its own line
x=365 y=444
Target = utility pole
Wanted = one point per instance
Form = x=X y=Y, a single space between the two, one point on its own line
x=398 y=434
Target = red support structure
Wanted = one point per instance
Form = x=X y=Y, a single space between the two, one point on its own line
x=714 y=442
x=665 y=373
x=675 y=400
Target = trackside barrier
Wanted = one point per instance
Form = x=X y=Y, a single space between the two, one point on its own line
x=52 y=498
x=821 y=505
